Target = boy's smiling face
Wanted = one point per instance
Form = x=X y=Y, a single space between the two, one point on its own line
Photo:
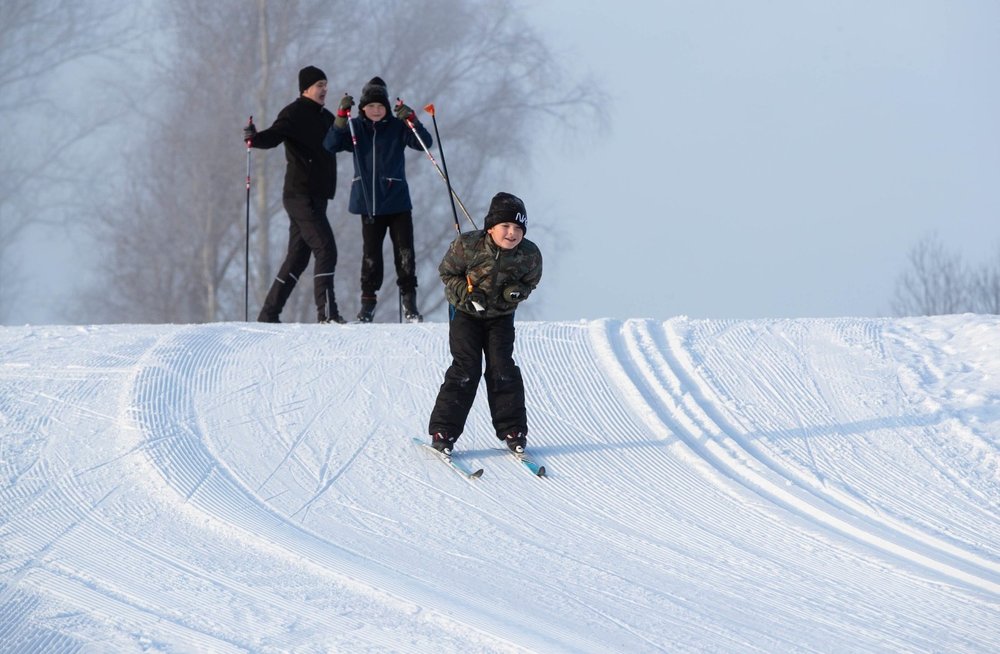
x=506 y=235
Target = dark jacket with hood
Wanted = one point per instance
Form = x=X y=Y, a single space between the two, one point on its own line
x=302 y=126
x=474 y=257
x=379 y=186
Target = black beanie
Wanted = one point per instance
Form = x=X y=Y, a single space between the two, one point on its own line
x=309 y=76
x=375 y=91
x=506 y=208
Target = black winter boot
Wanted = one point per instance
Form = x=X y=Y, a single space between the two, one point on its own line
x=333 y=318
x=410 y=313
x=276 y=298
x=443 y=443
x=516 y=441
x=367 y=313
x=327 y=312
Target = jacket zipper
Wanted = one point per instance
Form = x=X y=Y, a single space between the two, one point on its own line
x=374 y=132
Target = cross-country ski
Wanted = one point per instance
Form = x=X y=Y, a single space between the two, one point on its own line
x=531 y=465
x=449 y=461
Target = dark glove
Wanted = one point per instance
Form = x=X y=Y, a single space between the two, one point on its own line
x=476 y=301
x=343 y=111
x=515 y=293
x=403 y=112
x=249 y=132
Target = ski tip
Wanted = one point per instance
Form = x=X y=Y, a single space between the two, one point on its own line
x=541 y=471
x=477 y=474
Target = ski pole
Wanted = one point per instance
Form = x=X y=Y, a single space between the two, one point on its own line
x=246 y=252
x=444 y=164
x=444 y=177
x=357 y=166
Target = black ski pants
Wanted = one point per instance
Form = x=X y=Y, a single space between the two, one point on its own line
x=471 y=338
x=400 y=228
x=309 y=233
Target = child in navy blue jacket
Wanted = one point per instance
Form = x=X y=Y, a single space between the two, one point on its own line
x=379 y=191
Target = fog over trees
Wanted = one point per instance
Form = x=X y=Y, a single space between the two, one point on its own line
x=122 y=146
x=172 y=235
x=39 y=135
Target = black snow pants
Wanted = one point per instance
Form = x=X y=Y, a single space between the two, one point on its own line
x=469 y=339
x=309 y=233
x=400 y=228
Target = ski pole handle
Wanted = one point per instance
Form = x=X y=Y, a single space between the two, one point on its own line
x=409 y=119
x=249 y=122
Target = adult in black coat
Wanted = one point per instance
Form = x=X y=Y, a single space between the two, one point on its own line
x=310 y=182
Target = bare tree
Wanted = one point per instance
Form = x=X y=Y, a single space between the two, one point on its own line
x=986 y=286
x=37 y=39
x=493 y=80
x=937 y=282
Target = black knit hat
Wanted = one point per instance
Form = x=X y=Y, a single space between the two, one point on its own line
x=506 y=208
x=375 y=91
x=309 y=76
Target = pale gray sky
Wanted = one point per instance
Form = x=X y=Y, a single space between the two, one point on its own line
x=770 y=159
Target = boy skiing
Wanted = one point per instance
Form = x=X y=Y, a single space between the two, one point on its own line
x=486 y=274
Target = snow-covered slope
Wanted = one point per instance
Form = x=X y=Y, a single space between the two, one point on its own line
x=728 y=486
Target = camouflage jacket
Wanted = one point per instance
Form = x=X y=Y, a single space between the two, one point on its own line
x=473 y=256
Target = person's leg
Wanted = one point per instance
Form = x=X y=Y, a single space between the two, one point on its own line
x=296 y=260
x=461 y=380
x=315 y=231
x=372 y=236
x=504 y=383
x=401 y=233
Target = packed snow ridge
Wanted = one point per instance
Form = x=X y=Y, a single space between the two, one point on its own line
x=723 y=486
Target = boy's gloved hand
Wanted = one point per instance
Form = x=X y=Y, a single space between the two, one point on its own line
x=249 y=132
x=343 y=111
x=476 y=300
x=515 y=293
x=403 y=112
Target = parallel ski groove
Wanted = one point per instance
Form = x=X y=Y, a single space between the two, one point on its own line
x=730 y=458
x=191 y=453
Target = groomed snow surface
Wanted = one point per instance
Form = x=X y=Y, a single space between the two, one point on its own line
x=714 y=486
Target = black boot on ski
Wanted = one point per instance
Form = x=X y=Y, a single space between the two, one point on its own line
x=443 y=443
x=367 y=313
x=410 y=313
x=333 y=317
x=516 y=441
x=327 y=311
x=276 y=298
